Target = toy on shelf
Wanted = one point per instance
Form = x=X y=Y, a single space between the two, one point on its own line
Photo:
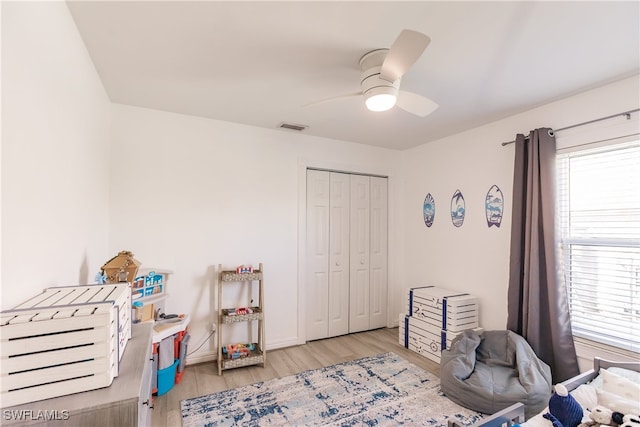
x=121 y=268
x=244 y=269
x=237 y=351
x=239 y=311
x=148 y=284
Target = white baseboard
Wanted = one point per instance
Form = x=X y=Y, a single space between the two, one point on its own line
x=202 y=357
x=288 y=342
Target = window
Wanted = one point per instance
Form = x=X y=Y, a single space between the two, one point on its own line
x=599 y=206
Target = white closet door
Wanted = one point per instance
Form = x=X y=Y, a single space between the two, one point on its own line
x=359 y=304
x=339 y=255
x=317 y=283
x=378 y=253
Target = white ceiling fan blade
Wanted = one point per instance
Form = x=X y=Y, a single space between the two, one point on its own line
x=415 y=104
x=333 y=98
x=404 y=52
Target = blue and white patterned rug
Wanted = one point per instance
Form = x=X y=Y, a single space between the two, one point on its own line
x=379 y=390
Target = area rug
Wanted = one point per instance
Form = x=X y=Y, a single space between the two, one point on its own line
x=379 y=390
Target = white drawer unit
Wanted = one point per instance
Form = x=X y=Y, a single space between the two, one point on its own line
x=65 y=340
x=434 y=317
x=445 y=309
x=421 y=337
x=126 y=402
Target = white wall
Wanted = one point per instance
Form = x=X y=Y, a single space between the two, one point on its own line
x=189 y=193
x=475 y=258
x=55 y=153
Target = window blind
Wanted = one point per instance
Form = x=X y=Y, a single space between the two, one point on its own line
x=599 y=210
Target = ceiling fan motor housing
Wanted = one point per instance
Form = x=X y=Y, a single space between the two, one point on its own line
x=370 y=81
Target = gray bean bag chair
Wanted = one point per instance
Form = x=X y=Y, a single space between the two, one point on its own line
x=490 y=371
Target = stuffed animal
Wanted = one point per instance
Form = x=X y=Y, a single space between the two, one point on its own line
x=630 y=421
x=564 y=410
x=603 y=417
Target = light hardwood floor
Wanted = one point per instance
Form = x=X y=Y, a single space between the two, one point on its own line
x=203 y=378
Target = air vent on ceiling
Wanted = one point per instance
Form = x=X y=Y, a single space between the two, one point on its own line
x=292 y=126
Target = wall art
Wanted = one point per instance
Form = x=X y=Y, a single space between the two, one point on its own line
x=429 y=210
x=457 y=209
x=494 y=206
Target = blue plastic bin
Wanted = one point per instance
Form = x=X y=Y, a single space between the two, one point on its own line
x=167 y=378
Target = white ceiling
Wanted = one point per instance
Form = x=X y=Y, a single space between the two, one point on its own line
x=259 y=63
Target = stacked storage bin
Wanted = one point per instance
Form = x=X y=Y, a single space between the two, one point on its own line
x=434 y=317
x=65 y=340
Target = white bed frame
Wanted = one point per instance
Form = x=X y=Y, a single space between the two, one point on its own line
x=514 y=414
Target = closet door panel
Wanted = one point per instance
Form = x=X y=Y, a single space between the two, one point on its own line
x=360 y=258
x=317 y=275
x=339 y=254
x=378 y=283
x=346 y=278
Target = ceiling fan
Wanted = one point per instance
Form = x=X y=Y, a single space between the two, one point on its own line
x=382 y=71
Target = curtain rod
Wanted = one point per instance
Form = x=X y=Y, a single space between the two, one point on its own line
x=626 y=113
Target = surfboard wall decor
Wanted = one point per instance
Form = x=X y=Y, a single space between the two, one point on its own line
x=429 y=210
x=494 y=206
x=457 y=209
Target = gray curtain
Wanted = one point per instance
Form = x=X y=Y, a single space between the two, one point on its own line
x=538 y=307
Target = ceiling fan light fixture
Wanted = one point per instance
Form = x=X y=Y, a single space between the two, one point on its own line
x=382 y=71
x=381 y=98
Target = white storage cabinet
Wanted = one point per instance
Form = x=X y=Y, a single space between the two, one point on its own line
x=126 y=402
x=419 y=336
x=65 y=340
x=435 y=317
x=443 y=308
